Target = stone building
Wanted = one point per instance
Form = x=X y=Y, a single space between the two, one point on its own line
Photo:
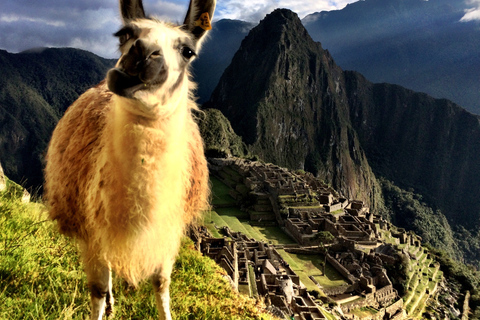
x=305 y=208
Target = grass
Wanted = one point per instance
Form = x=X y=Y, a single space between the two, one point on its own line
x=41 y=277
x=232 y=212
x=220 y=194
x=212 y=220
x=297 y=267
x=253 y=283
x=364 y=312
x=238 y=221
x=419 y=281
x=312 y=265
x=274 y=235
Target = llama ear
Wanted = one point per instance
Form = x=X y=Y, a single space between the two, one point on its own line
x=199 y=17
x=131 y=10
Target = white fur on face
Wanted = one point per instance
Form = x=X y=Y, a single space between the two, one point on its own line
x=162 y=101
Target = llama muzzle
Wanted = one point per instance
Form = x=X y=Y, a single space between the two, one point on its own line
x=121 y=83
x=142 y=68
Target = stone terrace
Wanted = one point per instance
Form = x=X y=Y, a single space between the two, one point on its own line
x=304 y=207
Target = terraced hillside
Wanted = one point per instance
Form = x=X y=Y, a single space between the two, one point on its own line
x=423 y=276
x=362 y=277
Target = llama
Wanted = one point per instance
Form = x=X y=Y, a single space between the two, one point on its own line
x=126 y=172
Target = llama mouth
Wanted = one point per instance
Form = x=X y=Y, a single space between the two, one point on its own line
x=123 y=84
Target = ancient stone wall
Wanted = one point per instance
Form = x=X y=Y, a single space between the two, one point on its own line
x=385 y=294
x=341 y=269
x=395 y=307
x=333 y=291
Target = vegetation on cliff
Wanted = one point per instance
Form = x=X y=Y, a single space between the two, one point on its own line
x=36 y=87
x=219 y=138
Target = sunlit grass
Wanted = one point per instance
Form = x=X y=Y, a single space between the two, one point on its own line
x=41 y=277
x=312 y=265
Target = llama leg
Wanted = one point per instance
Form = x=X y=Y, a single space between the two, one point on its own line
x=161 y=284
x=100 y=283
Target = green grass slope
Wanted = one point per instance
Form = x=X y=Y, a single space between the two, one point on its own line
x=41 y=277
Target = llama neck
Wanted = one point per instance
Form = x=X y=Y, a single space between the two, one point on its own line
x=140 y=142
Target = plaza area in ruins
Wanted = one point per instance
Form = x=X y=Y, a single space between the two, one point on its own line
x=288 y=239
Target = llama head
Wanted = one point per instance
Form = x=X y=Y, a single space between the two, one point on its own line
x=155 y=55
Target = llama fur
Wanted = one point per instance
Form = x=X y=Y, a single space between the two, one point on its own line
x=125 y=176
x=142 y=182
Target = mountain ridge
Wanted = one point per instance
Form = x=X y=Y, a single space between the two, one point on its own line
x=250 y=99
x=36 y=88
x=298 y=109
x=421 y=45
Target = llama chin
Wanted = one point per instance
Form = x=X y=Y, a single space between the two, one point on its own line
x=126 y=172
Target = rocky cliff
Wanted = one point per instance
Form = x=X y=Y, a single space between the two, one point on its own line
x=420 y=142
x=286 y=97
x=293 y=106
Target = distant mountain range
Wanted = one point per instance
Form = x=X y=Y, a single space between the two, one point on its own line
x=418 y=44
x=36 y=87
x=421 y=45
x=217 y=52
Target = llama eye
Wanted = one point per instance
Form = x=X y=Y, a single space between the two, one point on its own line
x=188 y=53
x=155 y=54
x=124 y=38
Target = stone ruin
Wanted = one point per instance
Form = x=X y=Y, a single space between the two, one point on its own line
x=260 y=270
x=302 y=206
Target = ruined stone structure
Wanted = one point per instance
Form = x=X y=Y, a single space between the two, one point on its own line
x=261 y=271
x=305 y=208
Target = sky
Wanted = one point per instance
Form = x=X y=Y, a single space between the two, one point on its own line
x=89 y=24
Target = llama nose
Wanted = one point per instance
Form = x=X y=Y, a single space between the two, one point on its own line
x=138 y=49
x=142 y=51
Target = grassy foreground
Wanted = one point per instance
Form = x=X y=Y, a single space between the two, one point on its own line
x=41 y=277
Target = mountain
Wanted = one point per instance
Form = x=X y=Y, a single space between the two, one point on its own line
x=36 y=87
x=428 y=145
x=409 y=155
x=216 y=54
x=218 y=136
x=283 y=95
x=421 y=45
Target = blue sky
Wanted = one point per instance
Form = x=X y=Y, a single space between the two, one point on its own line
x=89 y=24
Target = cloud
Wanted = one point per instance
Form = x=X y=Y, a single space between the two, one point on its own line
x=167 y=10
x=89 y=24
x=83 y=24
x=255 y=10
x=472 y=13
